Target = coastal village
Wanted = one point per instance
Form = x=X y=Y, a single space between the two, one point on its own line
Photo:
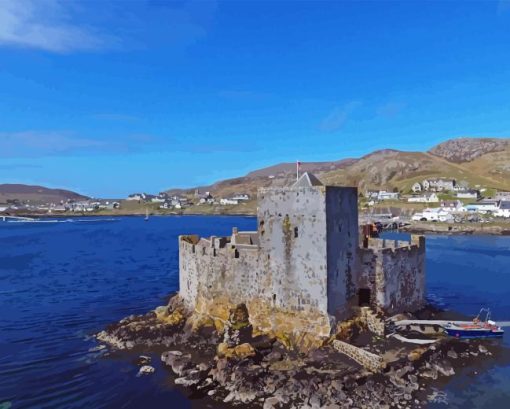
x=443 y=201
x=308 y=311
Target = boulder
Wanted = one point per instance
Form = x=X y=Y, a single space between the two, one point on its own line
x=271 y=403
x=240 y=351
x=146 y=370
x=445 y=368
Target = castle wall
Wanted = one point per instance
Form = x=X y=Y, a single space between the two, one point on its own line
x=209 y=272
x=394 y=271
x=292 y=225
x=342 y=247
x=213 y=280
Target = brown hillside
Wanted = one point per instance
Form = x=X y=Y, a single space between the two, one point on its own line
x=36 y=194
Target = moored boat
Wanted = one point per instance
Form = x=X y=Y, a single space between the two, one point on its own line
x=475 y=329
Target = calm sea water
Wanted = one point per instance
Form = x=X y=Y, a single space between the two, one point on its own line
x=61 y=283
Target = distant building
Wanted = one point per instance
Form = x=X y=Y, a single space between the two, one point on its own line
x=483 y=206
x=504 y=209
x=158 y=199
x=503 y=196
x=241 y=197
x=425 y=198
x=384 y=195
x=137 y=196
x=371 y=194
x=231 y=201
x=206 y=198
x=467 y=194
x=439 y=184
x=452 y=206
x=416 y=187
x=4 y=207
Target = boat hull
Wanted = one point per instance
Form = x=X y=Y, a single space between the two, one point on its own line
x=467 y=333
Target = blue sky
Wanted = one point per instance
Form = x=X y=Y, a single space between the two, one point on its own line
x=108 y=98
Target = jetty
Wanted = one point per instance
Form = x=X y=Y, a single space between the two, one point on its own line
x=15 y=218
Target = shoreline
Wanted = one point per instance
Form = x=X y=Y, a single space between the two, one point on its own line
x=234 y=366
x=485 y=229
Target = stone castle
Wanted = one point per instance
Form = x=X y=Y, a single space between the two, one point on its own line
x=306 y=268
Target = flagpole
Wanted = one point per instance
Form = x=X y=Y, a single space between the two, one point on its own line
x=297 y=170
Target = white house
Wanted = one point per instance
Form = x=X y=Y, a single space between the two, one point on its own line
x=137 y=196
x=439 y=185
x=229 y=201
x=371 y=194
x=241 y=197
x=483 y=206
x=503 y=196
x=384 y=195
x=425 y=198
x=158 y=199
x=433 y=215
x=467 y=194
x=3 y=207
x=504 y=209
x=416 y=187
x=452 y=206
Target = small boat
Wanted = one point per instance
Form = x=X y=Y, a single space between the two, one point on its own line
x=475 y=329
x=146 y=214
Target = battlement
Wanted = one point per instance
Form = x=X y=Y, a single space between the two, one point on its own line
x=417 y=241
x=305 y=261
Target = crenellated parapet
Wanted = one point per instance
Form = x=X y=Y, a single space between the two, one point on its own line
x=393 y=271
x=304 y=268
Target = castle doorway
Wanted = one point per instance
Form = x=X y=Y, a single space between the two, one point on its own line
x=363 y=297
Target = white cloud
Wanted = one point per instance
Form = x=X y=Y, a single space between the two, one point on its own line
x=338 y=117
x=503 y=6
x=390 y=109
x=36 y=144
x=46 y=25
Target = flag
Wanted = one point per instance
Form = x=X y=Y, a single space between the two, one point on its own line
x=298 y=164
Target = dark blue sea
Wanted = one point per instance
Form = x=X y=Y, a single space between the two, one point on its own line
x=62 y=282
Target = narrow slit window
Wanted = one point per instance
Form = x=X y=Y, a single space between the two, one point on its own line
x=296 y=232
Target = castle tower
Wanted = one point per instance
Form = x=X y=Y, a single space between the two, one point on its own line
x=308 y=236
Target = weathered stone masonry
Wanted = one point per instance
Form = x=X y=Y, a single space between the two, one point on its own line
x=303 y=268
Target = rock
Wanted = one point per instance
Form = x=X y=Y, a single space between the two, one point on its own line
x=144 y=360
x=445 y=368
x=168 y=357
x=415 y=354
x=429 y=373
x=146 y=370
x=315 y=402
x=483 y=349
x=273 y=356
x=452 y=354
x=240 y=351
x=246 y=395
x=271 y=403
x=229 y=398
x=181 y=365
x=194 y=377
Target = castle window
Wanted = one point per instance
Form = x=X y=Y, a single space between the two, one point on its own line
x=274 y=297
x=295 y=232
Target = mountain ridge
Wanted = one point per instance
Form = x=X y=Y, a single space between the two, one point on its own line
x=36 y=193
x=479 y=161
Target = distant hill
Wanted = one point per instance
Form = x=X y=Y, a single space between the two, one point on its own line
x=36 y=194
x=478 y=161
x=467 y=149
